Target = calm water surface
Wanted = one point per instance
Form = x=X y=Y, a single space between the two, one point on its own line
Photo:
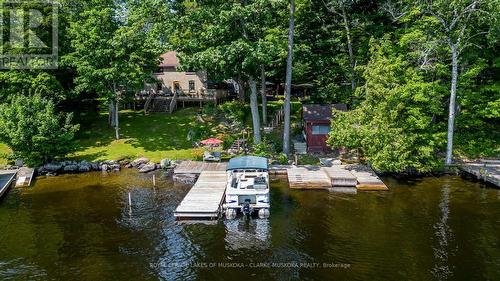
x=80 y=227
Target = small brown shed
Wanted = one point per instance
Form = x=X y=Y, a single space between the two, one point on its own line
x=317 y=119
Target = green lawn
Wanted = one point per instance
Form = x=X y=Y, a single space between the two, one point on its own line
x=155 y=136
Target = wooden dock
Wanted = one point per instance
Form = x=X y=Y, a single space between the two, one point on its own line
x=196 y=167
x=341 y=178
x=369 y=181
x=308 y=178
x=6 y=179
x=485 y=170
x=25 y=177
x=204 y=200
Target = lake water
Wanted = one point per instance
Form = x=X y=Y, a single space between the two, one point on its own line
x=80 y=227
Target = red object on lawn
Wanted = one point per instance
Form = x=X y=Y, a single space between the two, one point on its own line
x=211 y=141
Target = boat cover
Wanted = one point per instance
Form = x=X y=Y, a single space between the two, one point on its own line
x=248 y=162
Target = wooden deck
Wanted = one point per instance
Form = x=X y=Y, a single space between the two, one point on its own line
x=308 y=178
x=6 y=178
x=204 y=200
x=196 y=167
x=486 y=170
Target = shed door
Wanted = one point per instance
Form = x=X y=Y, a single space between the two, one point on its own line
x=319 y=136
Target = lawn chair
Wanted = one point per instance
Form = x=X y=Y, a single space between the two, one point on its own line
x=212 y=157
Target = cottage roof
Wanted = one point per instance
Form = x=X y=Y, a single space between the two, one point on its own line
x=313 y=112
x=169 y=59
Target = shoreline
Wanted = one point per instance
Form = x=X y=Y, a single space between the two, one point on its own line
x=144 y=165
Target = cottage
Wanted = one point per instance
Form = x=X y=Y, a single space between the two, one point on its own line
x=171 y=79
x=317 y=119
x=175 y=86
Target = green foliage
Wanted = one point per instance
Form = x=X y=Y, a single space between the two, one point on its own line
x=263 y=149
x=110 y=50
x=282 y=159
x=210 y=109
x=235 y=111
x=16 y=82
x=34 y=131
x=395 y=122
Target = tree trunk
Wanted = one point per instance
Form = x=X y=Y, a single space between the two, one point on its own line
x=288 y=82
x=241 y=91
x=111 y=112
x=453 y=96
x=117 y=124
x=263 y=93
x=254 y=106
x=349 y=48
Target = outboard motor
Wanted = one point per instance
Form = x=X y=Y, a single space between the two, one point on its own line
x=246 y=209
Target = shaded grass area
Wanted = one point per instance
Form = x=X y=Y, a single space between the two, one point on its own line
x=4 y=152
x=155 y=136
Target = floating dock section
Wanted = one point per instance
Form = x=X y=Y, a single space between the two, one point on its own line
x=204 y=200
x=341 y=178
x=308 y=178
x=6 y=179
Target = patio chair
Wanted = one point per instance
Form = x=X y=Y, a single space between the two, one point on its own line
x=212 y=157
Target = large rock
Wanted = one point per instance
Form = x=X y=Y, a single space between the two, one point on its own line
x=165 y=164
x=104 y=167
x=70 y=168
x=149 y=167
x=84 y=167
x=115 y=167
x=94 y=166
x=53 y=167
x=139 y=161
x=188 y=179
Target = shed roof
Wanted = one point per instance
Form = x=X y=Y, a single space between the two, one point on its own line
x=248 y=162
x=313 y=112
x=169 y=59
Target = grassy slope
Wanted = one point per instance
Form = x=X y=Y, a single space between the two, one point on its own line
x=155 y=136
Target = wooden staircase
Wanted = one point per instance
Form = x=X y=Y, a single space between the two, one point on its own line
x=278 y=118
x=160 y=104
x=173 y=104
x=147 y=104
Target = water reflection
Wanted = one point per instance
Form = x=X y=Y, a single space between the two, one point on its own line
x=247 y=234
x=79 y=227
x=441 y=269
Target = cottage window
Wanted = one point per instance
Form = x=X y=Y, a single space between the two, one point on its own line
x=320 y=130
x=191 y=86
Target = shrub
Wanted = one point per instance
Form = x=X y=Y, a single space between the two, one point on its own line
x=34 y=131
x=235 y=111
x=210 y=109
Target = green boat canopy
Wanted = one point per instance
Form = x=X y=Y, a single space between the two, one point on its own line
x=248 y=162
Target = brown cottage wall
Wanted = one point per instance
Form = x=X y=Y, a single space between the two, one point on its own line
x=168 y=77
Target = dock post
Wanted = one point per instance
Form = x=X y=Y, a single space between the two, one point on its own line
x=129 y=203
x=154 y=180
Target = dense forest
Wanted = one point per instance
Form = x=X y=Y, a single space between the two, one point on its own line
x=421 y=78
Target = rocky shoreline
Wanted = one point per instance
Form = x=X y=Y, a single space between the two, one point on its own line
x=143 y=165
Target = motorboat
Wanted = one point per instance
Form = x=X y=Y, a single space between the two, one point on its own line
x=247 y=189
